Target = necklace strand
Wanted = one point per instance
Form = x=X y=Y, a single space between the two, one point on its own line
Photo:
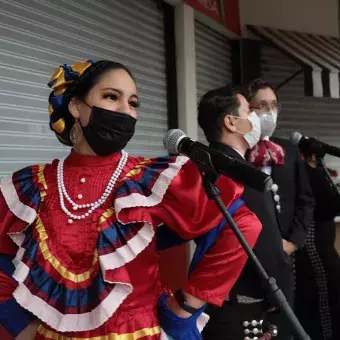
x=91 y=206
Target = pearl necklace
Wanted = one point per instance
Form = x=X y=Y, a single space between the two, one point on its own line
x=91 y=206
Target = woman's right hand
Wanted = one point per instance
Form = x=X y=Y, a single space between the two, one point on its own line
x=29 y=332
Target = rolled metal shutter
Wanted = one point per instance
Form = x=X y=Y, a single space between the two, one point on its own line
x=314 y=117
x=213 y=62
x=38 y=35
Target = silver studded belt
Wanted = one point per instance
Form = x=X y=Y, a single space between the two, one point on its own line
x=247 y=300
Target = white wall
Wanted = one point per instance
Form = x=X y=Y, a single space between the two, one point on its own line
x=312 y=16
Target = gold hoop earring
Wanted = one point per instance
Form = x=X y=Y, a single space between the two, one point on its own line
x=76 y=134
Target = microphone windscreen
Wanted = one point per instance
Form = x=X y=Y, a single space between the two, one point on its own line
x=172 y=139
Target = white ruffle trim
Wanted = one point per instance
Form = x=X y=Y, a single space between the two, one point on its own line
x=70 y=322
x=57 y=320
x=142 y=239
x=73 y=322
x=157 y=192
x=21 y=269
x=22 y=211
x=128 y=252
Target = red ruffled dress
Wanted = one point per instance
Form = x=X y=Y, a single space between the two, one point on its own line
x=98 y=278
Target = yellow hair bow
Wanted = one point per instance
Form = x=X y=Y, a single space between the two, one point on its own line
x=63 y=76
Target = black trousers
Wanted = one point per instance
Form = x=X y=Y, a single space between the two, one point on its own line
x=318 y=283
x=227 y=322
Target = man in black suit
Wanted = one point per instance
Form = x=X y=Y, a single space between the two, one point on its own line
x=247 y=310
x=282 y=160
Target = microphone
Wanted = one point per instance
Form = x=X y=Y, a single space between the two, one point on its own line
x=314 y=145
x=177 y=142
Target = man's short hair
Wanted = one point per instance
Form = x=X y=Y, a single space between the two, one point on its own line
x=213 y=107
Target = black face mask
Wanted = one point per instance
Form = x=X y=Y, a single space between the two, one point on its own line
x=108 y=131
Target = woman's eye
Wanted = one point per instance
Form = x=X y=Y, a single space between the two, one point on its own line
x=111 y=97
x=134 y=104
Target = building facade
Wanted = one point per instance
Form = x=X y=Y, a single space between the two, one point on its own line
x=37 y=36
x=176 y=51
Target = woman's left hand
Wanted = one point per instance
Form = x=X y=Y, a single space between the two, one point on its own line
x=176 y=322
x=176 y=308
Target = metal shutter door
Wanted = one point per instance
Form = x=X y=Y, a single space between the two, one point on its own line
x=314 y=117
x=36 y=36
x=213 y=62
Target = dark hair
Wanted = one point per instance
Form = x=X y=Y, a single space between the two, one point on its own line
x=213 y=107
x=251 y=89
x=82 y=86
x=79 y=88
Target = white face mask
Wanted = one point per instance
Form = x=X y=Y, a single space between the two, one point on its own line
x=268 y=122
x=253 y=136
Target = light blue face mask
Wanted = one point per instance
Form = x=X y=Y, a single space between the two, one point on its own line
x=268 y=122
x=253 y=136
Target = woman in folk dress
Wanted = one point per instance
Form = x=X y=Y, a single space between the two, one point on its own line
x=78 y=254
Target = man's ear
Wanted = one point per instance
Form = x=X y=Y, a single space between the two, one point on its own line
x=73 y=107
x=229 y=123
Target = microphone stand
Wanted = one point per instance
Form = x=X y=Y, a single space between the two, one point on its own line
x=209 y=177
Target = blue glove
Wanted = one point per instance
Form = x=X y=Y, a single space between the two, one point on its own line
x=175 y=327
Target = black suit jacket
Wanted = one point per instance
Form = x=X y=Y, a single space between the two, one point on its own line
x=296 y=198
x=268 y=247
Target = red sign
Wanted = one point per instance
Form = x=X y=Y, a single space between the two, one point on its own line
x=225 y=12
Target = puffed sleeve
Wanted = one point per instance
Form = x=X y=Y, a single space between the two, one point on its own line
x=169 y=191
x=187 y=210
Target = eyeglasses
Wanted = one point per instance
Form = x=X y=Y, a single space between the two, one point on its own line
x=264 y=107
